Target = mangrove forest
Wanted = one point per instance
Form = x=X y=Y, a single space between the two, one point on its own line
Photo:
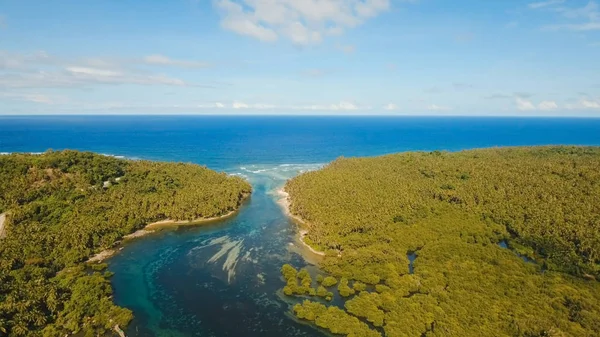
x=490 y=242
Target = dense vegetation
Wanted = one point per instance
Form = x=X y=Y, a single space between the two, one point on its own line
x=452 y=211
x=62 y=207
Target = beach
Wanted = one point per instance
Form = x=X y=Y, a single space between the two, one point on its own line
x=152 y=227
x=2 y=221
x=103 y=255
x=284 y=202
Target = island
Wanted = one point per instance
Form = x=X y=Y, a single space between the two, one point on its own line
x=486 y=242
x=60 y=209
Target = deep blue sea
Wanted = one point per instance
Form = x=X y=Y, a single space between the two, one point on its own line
x=223 y=279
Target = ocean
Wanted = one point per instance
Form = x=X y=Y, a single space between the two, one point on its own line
x=223 y=279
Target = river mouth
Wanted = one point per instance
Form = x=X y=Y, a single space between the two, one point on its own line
x=218 y=279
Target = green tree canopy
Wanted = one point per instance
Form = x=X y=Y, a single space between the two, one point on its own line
x=449 y=212
x=63 y=207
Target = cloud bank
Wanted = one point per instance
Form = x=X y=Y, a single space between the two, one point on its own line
x=303 y=22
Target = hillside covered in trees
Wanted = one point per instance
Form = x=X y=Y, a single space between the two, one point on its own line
x=492 y=242
x=63 y=207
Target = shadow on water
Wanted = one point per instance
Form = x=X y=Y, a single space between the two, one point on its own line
x=411 y=260
x=504 y=244
x=216 y=280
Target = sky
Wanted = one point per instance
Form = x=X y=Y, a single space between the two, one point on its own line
x=365 y=57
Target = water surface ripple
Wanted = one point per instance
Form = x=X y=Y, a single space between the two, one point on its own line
x=216 y=280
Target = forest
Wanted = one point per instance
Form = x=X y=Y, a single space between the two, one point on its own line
x=62 y=207
x=490 y=242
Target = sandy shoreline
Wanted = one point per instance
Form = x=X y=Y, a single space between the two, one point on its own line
x=152 y=227
x=103 y=255
x=2 y=221
x=284 y=202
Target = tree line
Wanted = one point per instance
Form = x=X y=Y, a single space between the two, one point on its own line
x=452 y=211
x=63 y=207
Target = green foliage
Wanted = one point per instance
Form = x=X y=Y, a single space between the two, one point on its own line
x=367 y=305
x=333 y=319
x=451 y=210
x=292 y=277
x=288 y=272
x=344 y=289
x=309 y=310
x=322 y=291
x=329 y=281
x=62 y=207
x=359 y=286
x=98 y=266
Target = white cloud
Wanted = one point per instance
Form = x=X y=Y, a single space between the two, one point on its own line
x=16 y=61
x=83 y=71
x=584 y=104
x=240 y=105
x=578 y=27
x=41 y=70
x=589 y=11
x=588 y=17
x=304 y=22
x=237 y=20
x=588 y=104
x=435 y=107
x=527 y=105
x=524 y=105
x=166 y=61
x=344 y=106
x=544 y=4
x=391 y=107
x=547 y=105
x=257 y=106
x=61 y=104
x=34 y=98
x=235 y=107
x=81 y=76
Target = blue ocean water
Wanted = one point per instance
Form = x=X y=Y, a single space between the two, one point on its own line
x=225 y=142
x=223 y=279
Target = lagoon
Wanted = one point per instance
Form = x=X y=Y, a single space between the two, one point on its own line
x=222 y=279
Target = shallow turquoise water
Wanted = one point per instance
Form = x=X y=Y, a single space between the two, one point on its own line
x=222 y=279
x=215 y=280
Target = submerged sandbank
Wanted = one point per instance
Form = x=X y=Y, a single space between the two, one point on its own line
x=154 y=226
x=284 y=202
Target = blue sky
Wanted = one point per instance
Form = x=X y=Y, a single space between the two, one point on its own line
x=419 y=57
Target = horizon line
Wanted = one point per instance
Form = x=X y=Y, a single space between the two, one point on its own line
x=291 y=115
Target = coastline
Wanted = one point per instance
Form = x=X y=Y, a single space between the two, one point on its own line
x=284 y=202
x=2 y=222
x=154 y=226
